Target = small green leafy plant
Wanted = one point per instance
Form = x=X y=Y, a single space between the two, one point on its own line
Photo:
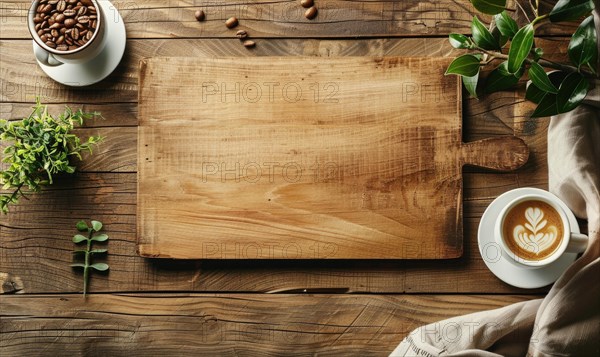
x=88 y=253
x=514 y=48
x=37 y=148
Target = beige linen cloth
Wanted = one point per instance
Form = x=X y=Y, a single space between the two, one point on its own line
x=567 y=321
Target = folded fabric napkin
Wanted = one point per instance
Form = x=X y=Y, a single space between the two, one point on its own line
x=567 y=321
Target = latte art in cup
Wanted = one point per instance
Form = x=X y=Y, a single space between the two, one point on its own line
x=533 y=230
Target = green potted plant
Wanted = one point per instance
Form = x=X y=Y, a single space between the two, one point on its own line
x=37 y=148
x=511 y=49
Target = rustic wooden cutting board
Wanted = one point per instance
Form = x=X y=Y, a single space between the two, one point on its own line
x=302 y=158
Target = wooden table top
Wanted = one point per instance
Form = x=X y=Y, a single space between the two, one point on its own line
x=155 y=307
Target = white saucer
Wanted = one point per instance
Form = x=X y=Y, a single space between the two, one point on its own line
x=79 y=75
x=506 y=271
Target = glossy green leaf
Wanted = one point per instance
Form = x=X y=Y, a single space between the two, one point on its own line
x=82 y=226
x=97 y=226
x=99 y=266
x=520 y=47
x=569 y=10
x=98 y=251
x=81 y=252
x=490 y=7
x=459 y=41
x=100 y=238
x=501 y=79
x=583 y=47
x=470 y=84
x=465 y=65
x=571 y=92
x=535 y=95
x=78 y=265
x=538 y=53
x=541 y=80
x=506 y=24
x=547 y=107
x=482 y=36
x=78 y=238
x=500 y=39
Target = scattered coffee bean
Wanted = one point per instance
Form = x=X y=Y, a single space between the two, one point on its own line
x=242 y=35
x=311 y=13
x=200 y=15
x=307 y=3
x=231 y=22
x=249 y=43
x=65 y=25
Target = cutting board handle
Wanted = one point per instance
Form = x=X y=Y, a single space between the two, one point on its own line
x=505 y=153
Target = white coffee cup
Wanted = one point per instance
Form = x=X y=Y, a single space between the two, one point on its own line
x=52 y=57
x=571 y=242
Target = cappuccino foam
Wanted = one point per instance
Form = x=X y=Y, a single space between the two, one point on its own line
x=533 y=230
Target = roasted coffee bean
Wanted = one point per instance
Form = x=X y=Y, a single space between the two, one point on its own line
x=61 y=6
x=311 y=13
x=249 y=43
x=231 y=22
x=241 y=34
x=72 y=47
x=199 y=15
x=65 y=24
x=307 y=3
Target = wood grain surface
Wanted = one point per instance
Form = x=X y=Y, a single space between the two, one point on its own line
x=379 y=305
x=224 y=324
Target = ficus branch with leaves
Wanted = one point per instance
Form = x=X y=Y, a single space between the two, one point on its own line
x=557 y=92
x=37 y=148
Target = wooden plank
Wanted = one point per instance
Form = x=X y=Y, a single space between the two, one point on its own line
x=241 y=324
x=21 y=80
x=36 y=249
x=265 y=18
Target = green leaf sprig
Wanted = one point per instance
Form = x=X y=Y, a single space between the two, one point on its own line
x=37 y=148
x=555 y=92
x=88 y=253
